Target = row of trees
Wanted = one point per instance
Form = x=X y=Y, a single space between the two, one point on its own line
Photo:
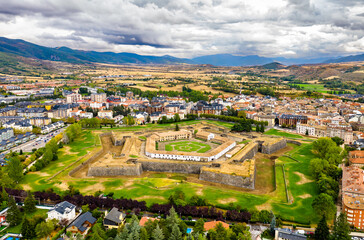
x=172 y=227
x=325 y=170
x=50 y=154
x=233 y=119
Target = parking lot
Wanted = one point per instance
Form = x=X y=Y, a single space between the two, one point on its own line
x=36 y=143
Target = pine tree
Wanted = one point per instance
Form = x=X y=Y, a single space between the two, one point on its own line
x=176 y=128
x=13 y=216
x=27 y=230
x=262 y=128
x=322 y=230
x=341 y=229
x=157 y=233
x=176 y=233
x=172 y=218
x=29 y=203
x=257 y=128
x=273 y=224
x=143 y=234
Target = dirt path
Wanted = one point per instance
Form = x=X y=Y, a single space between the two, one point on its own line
x=303 y=178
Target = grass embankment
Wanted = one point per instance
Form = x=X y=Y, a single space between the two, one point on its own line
x=282 y=134
x=314 y=87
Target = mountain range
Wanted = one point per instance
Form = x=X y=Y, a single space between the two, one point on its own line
x=26 y=49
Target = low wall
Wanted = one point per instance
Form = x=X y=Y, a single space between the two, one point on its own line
x=172 y=167
x=294 y=142
x=104 y=171
x=85 y=163
x=227 y=179
x=272 y=148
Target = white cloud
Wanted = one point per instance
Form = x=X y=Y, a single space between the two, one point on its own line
x=186 y=28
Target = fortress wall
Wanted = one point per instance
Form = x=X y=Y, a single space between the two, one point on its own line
x=227 y=179
x=248 y=152
x=271 y=148
x=172 y=167
x=87 y=162
x=122 y=170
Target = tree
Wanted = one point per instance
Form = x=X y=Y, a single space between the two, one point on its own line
x=157 y=233
x=322 y=231
x=337 y=140
x=44 y=229
x=273 y=224
x=306 y=132
x=128 y=120
x=27 y=230
x=13 y=216
x=262 y=128
x=85 y=208
x=176 y=128
x=148 y=119
x=176 y=233
x=326 y=149
x=341 y=228
x=15 y=169
x=29 y=203
x=98 y=233
x=257 y=128
x=199 y=226
x=176 y=117
x=242 y=231
x=328 y=185
x=323 y=204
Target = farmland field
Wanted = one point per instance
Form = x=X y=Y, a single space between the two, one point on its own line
x=314 y=87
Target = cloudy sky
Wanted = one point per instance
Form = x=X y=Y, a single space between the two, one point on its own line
x=189 y=28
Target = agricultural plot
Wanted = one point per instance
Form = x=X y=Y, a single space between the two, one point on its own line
x=188 y=146
x=314 y=87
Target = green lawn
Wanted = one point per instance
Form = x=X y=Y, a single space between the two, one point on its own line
x=188 y=146
x=281 y=133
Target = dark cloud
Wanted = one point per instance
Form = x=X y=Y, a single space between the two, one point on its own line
x=303 y=28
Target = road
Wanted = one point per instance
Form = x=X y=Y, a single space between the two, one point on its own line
x=38 y=142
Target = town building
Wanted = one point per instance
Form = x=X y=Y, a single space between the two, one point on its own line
x=98 y=97
x=353 y=195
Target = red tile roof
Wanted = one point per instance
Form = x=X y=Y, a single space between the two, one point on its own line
x=212 y=224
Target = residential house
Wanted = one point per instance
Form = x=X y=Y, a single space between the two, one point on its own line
x=82 y=224
x=114 y=218
x=211 y=225
x=282 y=234
x=144 y=220
x=63 y=210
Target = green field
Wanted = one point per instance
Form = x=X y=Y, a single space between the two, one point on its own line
x=314 y=87
x=188 y=146
x=157 y=187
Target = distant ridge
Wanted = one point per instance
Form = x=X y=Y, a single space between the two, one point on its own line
x=30 y=50
x=352 y=58
x=26 y=49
